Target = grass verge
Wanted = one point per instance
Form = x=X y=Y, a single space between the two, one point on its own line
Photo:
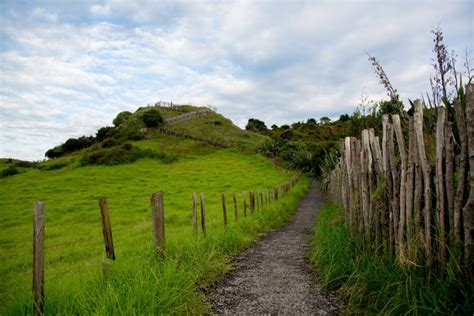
x=375 y=284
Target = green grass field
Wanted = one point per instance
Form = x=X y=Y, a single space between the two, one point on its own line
x=139 y=282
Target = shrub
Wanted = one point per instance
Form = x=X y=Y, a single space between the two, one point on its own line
x=125 y=153
x=25 y=164
x=55 y=152
x=10 y=171
x=152 y=118
x=53 y=166
x=110 y=142
x=104 y=132
x=256 y=125
x=121 y=118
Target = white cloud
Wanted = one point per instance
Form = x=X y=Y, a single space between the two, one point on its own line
x=66 y=70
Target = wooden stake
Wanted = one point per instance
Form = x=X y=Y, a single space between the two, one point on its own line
x=38 y=258
x=203 y=215
x=449 y=143
x=463 y=171
x=224 y=209
x=440 y=184
x=426 y=175
x=158 y=221
x=195 y=225
x=468 y=210
x=245 y=203
x=252 y=202
x=236 y=213
x=106 y=229
x=403 y=179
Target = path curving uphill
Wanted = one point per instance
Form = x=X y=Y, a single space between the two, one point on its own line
x=274 y=276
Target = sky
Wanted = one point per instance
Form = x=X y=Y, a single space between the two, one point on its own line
x=68 y=67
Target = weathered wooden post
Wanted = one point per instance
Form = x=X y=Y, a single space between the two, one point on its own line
x=195 y=228
x=224 y=209
x=403 y=179
x=203 y=215
x=236 y=213
x=426 y=177
x=468 y=210
x=158 y=219
x=245 y=204
x=38 y=258
x=252 y=202
x=106 y=228
x=440 y=183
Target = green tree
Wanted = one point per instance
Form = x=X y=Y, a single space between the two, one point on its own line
x=152 y=118
x=121 y=118
x=255 y=125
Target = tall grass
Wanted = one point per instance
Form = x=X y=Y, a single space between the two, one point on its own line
x=370 y=283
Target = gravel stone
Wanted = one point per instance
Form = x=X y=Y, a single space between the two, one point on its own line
x=274 y=276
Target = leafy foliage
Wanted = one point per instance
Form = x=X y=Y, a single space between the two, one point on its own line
x=121 y=118
x=152 y=118
x=255 y=125
x=10 y=171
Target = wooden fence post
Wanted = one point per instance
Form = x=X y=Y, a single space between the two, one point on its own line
x=403 y=179
x=38 y=258
x=252 y=202
x=261 y=199
x=236 y=213
x=224 y=209
x=203 y=215
x=440 y=184
x=463 y=171
x=106 y=228
x=468 y=210
x=245 y=204
x=195 y=228
x=426 y=177
x=158 y=219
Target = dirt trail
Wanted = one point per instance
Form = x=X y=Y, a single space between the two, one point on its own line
x=273 y=277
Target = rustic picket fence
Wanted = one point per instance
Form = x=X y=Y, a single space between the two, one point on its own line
x=405 y=199
x=252 y=201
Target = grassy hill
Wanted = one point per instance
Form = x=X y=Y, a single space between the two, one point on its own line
x=139 y=281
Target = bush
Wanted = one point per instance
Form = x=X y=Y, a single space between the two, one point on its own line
x=10 y=171
x=55 y=152
x=125 y=153
x=121 y=118
x=110 y=143
x=53 y=166
x=152 y=118
x=25 y=164
x=104 y=132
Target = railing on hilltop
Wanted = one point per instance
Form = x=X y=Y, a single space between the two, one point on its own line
x=395 y=199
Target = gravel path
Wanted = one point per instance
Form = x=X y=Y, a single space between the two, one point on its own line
x=274 y=276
